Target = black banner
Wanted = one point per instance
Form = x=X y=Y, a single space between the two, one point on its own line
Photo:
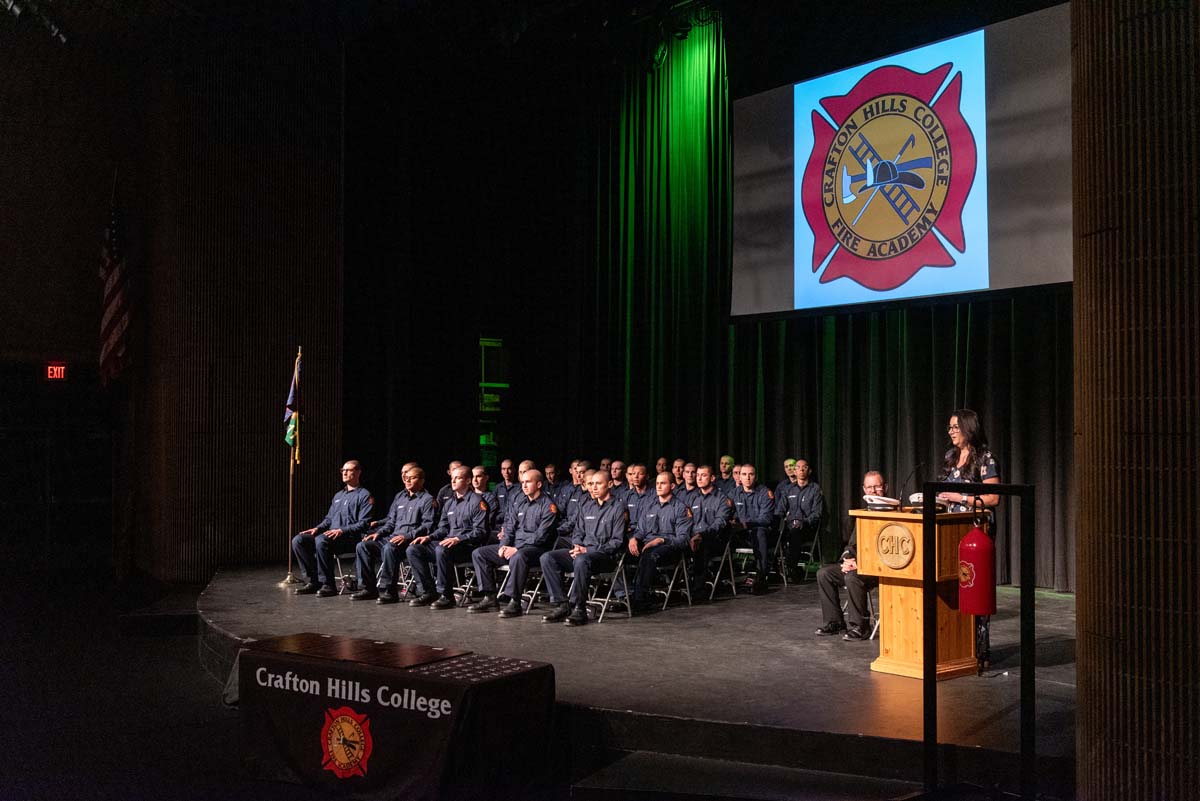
x=401 y=721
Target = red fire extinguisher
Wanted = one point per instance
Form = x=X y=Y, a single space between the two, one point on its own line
x=977 y=573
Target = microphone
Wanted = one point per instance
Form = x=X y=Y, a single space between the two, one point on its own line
x=903 y=495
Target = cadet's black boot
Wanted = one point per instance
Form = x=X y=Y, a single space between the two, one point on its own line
x=485 y=604
x=559 y=613
x=512 y=609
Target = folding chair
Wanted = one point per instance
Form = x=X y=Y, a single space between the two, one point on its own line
x=346 y=582
x=680 y=567
x=778 y=559
x=528 y=597
x=726 y=559
x=872 y=615
x=463 y=575
x=617 y=573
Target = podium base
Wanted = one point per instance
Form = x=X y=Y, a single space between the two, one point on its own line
x=950 y=669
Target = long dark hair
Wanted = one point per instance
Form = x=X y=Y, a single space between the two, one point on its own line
x=972 y=431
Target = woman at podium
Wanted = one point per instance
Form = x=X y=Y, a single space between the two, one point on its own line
x=968 y=461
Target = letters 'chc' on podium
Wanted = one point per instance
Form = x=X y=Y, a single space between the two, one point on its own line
x=890 y=546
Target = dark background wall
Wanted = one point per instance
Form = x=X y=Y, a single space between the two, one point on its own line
x=384 y=185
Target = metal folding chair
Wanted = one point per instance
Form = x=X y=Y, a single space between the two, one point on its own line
x=726 y=561
x=680 y=567
x=603 y=605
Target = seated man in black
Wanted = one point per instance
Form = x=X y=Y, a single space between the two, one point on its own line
x=597 y=534
x=660 y=535
x=413 y=514
x=845 y=574
x=529 y=530
x=347 y=520
x=461 y=529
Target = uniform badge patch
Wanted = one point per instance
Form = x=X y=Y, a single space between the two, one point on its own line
x=346 y=742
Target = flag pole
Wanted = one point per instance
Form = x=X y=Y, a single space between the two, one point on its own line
x=293 y=460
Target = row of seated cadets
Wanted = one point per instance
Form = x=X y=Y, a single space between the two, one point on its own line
x=314 y=548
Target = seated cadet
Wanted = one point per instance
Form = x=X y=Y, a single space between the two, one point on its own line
x=347 y=520
x=789 y=471
x=529 y=530
x=677 y=472
x=660 y=535
x=495 y=516
x=551 y=485
x=605 y=464
x=445 y=492
x=685 y=490
x=617 y=472
x=845 y=574
x=802 y=507
x=755 y=507
x=636 y=492
x=459 y=531
x=728 y=482
x=570 y=500
x=506 y=486
x=597 y=535
x=661 y=465
x=712 y=511
x=413 y=514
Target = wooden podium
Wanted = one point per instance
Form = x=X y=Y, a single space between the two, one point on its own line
x=890 y=546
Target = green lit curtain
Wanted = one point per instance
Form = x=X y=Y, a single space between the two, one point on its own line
x=666 y=372
x=662 y=249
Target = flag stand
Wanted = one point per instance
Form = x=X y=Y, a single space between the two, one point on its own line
x=293 y=460
x=290 y=578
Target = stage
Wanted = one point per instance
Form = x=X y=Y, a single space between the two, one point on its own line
x=741 y=679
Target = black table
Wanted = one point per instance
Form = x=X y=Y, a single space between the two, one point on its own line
x=378 y=720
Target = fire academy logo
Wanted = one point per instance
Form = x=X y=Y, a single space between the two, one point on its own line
x=346 y=742
x=899 y=165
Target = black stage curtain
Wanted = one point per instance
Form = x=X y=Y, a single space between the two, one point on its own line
x=585 y=219
x=847 y=392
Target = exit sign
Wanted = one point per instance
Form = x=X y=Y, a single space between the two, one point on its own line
x=56 y=371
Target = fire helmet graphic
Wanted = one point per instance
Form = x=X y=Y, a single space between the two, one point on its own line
x=899 y=166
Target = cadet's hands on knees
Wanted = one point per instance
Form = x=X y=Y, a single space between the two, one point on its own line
x=308 y=532
x=397 y=540
x=507 y=551
x=450 y=542
x=633 y=547
x=654 y=543
x=694 y=541
x=333 y=534
x=421 y=540
x=371 y=537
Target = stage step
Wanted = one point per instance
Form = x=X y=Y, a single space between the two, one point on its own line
x=651 y=776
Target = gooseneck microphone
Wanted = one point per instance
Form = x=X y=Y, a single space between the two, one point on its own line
x=913 y=472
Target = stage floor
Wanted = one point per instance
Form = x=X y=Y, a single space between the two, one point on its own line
x=745 y=660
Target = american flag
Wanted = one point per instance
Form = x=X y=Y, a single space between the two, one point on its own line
x=115 y=295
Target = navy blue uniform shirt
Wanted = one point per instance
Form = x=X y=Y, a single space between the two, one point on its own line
x=633 y=505
x=350 y=511
x=413 y=515
x=505 y=494
x=600 y=526
x=530 y=522
x=671 y=520
x=803 y=504
x=756 y=508
x=465 y=518
x=711 y=513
